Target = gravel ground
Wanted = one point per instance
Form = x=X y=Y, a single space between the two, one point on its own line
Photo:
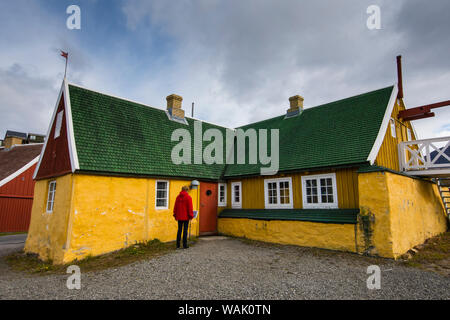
x=222 y=268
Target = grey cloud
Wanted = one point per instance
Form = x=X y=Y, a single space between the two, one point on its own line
x=261 y=52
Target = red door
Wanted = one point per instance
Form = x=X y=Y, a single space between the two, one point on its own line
x=208 y=208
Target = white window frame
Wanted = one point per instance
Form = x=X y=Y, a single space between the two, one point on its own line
x=156 y=195
x=50 y=196
x=58 y=124
x=408 y=134
x=235 y=204
x=393 y=128
x=223 y=203
x=320 y=205
x=278 y=205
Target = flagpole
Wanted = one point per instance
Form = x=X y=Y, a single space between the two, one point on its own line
x=66 y=56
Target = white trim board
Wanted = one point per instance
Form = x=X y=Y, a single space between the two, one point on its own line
x=63 y=92
x=384 y=125
x=19 y=172
x=69 y=128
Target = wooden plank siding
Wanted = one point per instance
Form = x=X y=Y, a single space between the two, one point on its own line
x=16 y=199
x=253 y=189
x=388 y=154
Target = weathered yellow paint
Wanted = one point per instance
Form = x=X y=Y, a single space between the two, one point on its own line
x=310 y=234
x=401 y=212
x=253 y=189
x=105 y=214
x=417 y=212
x=48 y=231
x=388 y=153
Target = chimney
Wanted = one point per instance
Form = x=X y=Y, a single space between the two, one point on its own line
x=174 y=106
x=296 y=103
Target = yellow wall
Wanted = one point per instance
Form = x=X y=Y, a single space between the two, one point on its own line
x=10 y=141
x=302 y=233
x=417 y=212
x=107 y=214
x=47 y=234
x=388 y=153
x=253 y=189
x=401 y=213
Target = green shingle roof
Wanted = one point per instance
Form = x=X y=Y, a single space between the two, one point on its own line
x=338 y=133
x=117 y=136
x=341 y=216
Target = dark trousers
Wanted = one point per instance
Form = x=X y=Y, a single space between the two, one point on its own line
x=182 y=225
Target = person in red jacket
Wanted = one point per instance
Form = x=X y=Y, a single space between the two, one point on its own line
x=183 y=213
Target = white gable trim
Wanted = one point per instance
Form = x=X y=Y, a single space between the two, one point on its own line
x=387 y=116
x=19 y=172
x=69 y=126
x=48 y=130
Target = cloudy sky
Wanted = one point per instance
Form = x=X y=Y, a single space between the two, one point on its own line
x=239 y=61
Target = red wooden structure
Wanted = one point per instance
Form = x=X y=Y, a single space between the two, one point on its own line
x=17 y=167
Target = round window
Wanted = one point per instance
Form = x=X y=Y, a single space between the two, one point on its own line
x=208 y=192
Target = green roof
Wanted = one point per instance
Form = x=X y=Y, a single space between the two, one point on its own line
x=341 y=216
x=117 y=136
x=338 y=133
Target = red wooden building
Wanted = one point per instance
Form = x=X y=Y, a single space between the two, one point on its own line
x=17 y=166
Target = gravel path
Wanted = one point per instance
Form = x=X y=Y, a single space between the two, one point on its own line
x=225 y=268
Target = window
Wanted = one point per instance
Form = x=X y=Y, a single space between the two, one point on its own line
x=319 y=191
x=162 y=195
x=236 y=195
x=278 y=193
x=222 y=195
x=393 y=133
x=51 y=196
x=408 y=134
x=58 y=124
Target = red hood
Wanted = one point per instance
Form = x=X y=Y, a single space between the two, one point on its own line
x=183 y=194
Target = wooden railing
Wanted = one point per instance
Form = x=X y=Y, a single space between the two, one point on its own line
x=416 y=154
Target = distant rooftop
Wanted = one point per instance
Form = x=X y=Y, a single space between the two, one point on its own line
x=17 y=134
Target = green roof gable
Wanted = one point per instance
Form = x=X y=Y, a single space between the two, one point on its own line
x=117 y=136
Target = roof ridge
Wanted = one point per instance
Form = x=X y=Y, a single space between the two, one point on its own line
x=322 y=105
x=142 y=104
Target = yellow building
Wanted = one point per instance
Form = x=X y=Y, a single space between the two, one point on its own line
x=107 y=178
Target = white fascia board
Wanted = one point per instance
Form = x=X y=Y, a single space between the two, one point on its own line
x=381 y=133
x=69 y=128
x=49 y=129
x=19 y=172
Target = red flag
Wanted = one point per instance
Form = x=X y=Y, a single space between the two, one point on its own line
x=64 y=54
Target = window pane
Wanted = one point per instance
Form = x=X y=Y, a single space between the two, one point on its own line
x=284 y=192
x=161 y=194
x=236 y=193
